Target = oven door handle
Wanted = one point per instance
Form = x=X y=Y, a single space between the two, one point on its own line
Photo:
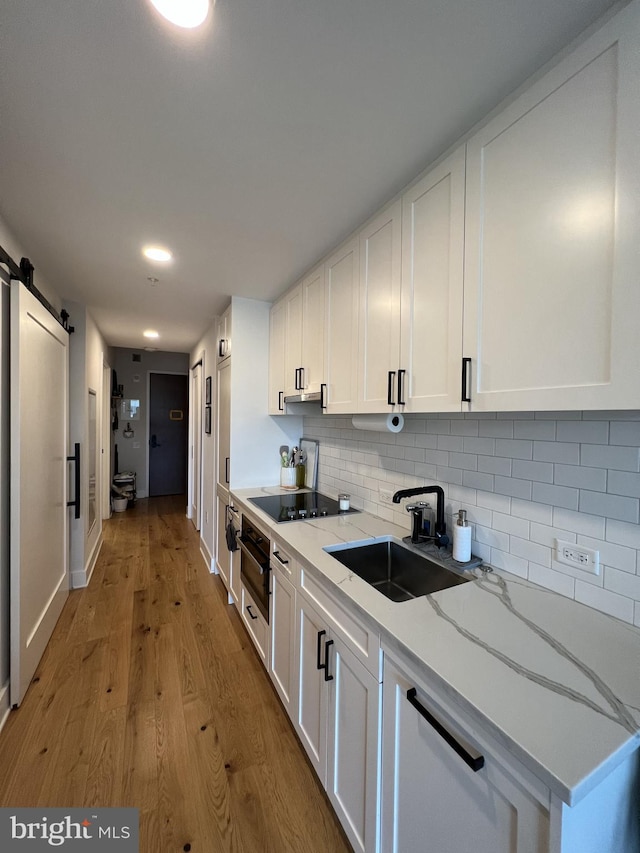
x=245 y=550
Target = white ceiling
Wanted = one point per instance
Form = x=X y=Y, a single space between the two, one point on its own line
x=250 y=147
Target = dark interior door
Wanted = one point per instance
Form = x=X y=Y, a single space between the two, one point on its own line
x=167 y=434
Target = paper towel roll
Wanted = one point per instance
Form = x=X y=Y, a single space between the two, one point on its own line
x=378 y=423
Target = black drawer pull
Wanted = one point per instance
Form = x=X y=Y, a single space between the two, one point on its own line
x=466 y=364
x=319 y=663
x=250 y=612
x=323 y=399
x=475 y=762
x=401 y=400
x=327 y=677
x=391 y=378
x=281 y=401
x=277 y=554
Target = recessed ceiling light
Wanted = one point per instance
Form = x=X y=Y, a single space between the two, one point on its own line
x=157 y=253
x=183 y=13
x=151 y=333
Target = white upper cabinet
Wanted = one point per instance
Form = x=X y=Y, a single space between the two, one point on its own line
x=304 y=334
x=277 y=322
x=552 y=297
x=432 y=289
x=379 y=335
x=341 y=330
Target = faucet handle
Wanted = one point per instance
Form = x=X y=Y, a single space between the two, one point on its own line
x=416 y=506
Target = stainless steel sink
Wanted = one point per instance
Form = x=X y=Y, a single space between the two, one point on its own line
x=393 y=569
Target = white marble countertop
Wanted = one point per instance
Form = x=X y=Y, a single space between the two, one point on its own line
x=557 y=682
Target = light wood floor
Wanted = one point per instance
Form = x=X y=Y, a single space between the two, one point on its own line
x=150 y=695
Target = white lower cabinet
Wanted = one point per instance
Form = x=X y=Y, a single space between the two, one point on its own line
x=256 y=625
x=338 y=720
x=432 y=800
x=283 y=623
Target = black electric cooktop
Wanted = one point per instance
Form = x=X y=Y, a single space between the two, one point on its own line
x=297 y=506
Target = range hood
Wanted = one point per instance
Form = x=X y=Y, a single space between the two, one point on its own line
x=304 y=397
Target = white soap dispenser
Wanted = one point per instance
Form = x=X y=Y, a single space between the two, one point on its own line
x=462 y=538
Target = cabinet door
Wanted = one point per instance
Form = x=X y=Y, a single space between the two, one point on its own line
x=432 y=801
x=353 y=738
x=256 y=626
x=311 y=718
x=432 y=271
x=379 y=334
x=340 y=329
x=313 y=330
x=293 y=340
x=223 y=394
x=222 y=552
x=283 y=619
x=277 y=321
x=553 y=226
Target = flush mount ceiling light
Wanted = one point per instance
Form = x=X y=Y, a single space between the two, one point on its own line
x=151 y=333
x=157 y=253
x=183 y=13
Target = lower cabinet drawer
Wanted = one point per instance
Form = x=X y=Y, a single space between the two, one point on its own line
x=256 y=626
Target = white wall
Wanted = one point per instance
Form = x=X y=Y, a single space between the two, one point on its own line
x=87 y=354
x=133 y=452
x=524 y=479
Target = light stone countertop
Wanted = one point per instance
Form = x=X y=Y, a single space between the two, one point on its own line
x=558 y=683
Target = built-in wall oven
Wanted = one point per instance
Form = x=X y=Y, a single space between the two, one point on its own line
x=255 y=550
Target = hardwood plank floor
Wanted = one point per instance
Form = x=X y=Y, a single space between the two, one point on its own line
x=150 y=695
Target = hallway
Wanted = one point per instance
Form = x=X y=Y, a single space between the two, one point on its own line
x=150 y=695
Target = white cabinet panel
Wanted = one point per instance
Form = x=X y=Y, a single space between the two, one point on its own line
x=277 y=330
x=379 y=336
x=432 y=288
x=311 y=718
x=223 y=431
x=293 y=339
x=431 y=799
x=256 y=625
x=312 y=362
x=283 y=621
x=341 y=329
x=552 y=222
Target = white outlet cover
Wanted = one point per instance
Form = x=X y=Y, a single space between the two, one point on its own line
x=577 y=556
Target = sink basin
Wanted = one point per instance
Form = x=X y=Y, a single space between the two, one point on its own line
x=393 y=569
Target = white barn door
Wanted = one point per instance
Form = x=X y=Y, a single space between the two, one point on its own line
x=39 y=517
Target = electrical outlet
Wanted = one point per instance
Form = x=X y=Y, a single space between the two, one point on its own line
x=386 y=496
x=578 y=556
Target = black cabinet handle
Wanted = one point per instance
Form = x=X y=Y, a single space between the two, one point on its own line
x=221 y=347
x=475 y=762
x=319 y=663
x=76 y=458
x=466 y=396
x=401 y=400
x=327 y=677
x=281 y=401
x=323 y=399
x=277 y=555
x=226 y=470
x=391 y=377
x=297 y=379
x=302 y=378
x=253 y=616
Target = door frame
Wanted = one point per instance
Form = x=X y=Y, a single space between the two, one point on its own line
x=194 y=461
x=148 y=417
x=105 y=457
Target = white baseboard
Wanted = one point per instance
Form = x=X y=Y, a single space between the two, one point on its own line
x=5 y=707
x=81 y=578
x=206 y=556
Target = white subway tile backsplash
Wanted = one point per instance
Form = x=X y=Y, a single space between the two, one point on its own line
x=618 y=458
x=594 y=479
x=561 y=496
x=542 y=430
x=611 y=506
x=510 y=524
x=540 y=471
x=514 y=448
x=556 y=451
x=623 y=483
x=603 y=599
x=584 y=432
x=525 y=479
x=625 y=433
x=552 y=580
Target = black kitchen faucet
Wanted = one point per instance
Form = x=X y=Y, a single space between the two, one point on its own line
x=440 y=537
